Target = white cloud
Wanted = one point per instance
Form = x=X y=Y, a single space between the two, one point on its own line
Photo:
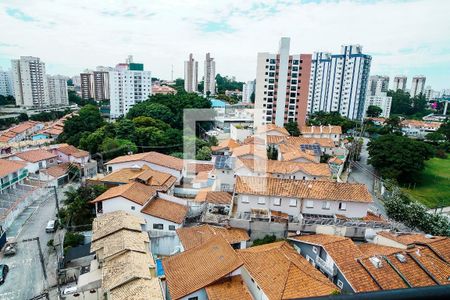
x=402 y=36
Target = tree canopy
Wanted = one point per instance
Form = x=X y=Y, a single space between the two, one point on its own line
x=7 y=100
x=332 y=118
x=292 y=128
x=404 y=104
x=373 y=111
x=225 y=83
x=398 y=157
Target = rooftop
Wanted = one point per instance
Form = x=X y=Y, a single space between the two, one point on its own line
x=213 y=197
x=286 y=167
x=230 y=288
x=10 y=166
x=271 y=127
x=151 y=157
x=35 y=155
x=167 y=210
x=112 y=222
x=326 y=129
x=136 y=192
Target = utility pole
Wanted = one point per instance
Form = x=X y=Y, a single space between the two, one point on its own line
x=56 y=199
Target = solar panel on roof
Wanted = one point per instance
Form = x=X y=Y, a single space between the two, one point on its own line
x=313 y=147
x=223 y=162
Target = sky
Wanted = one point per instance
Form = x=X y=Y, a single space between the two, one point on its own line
x=403 y=37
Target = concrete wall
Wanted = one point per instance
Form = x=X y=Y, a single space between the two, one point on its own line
x=120 y=203
x=353 y=209
x=150 y=220
x=269 y=204
x=164 y=243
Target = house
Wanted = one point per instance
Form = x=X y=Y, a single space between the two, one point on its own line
x=371 y=267
x=163 y=90
x=80 y=158
x=25 y=130
x=276 y=271
x=271 y=129
x=296 y=197
x=36 y=159
x=293 y=154
x=223 y=173
x=250 y=151
x=225 y=147
x=283 y=169
x=11 y=173
x=190 y=272
x=327 y=131
x=239 y=132
x=123 y=267
x=157 y=161
x=214 y=205
x=55 y=175
x=191 y=237
x=159 y=180
x=419 y=129
x=160 y=211
x=232 y=288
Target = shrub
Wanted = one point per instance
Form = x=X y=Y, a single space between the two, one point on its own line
x=441 y=154
x=265 y=240
x=73 y=239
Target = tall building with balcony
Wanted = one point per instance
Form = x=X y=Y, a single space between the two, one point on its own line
x=191 y=75
x=338 y=82
x=129 y=84
x=57 y=90
x=247 y=91
x=30 y=82
x=281 y=93
x=417 y=85
x=378 y=84
x=209 y=87
x=400 y=83
x=377 y=95
x=95 y=84
x=6 y=88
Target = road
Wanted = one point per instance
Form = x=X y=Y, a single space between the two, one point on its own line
x=26 y=278
x=362 y=172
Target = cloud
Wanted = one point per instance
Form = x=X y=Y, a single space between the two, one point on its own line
x=409 y=37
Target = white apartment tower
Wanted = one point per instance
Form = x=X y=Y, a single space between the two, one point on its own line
x=378 y=84
x=30 y=82
x=281 y=93
x=338 y=82
x=247 y=90
x=6 y=88
x=191 y=75
x=209 y=87
x=400 y=83
x=417 y=85
x=128 y=84
x=57 y=90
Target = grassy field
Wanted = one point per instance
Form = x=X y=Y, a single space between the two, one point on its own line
x=433 y=185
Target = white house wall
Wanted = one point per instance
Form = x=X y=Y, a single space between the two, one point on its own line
x=353 y=209
x=140 y=163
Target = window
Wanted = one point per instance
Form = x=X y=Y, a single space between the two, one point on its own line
x=342 y=206
x=277 y=201
x=193 y=298
x=326 y=205
x=172 y=227
x=293 y=202
x=133 y=208
x=310 y=260
x=314 y=249
x=340 y=284
x=309 y=204
x=261 y=200
x=245 y=199
x=158 y=226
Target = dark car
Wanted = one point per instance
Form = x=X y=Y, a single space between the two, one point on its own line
x=3 y=272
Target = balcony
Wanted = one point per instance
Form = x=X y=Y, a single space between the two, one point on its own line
x=332 y=271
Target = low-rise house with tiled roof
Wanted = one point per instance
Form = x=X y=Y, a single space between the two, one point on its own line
x=79 y=158
x=223 y=173
x=55 y=175
x=11 y=173
x=283 y=169
x=250 y=151
x=157 y=161
x=225 y=147
x=191 y=237
x=271 y=129
x=322 y=131
x=21 y=131
x=36 y=160
x=294 y=154
x=297 y=197
x=372 y=267
x=276 y=271
x=161 y=212
x=419 y=129
x=214 y=206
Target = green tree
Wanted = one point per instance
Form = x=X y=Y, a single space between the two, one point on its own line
x=435 y=137
x=272 y=152
x=204 y=153
x=143 y=121
x=401 y=102
x=113 y=147
x=126 y=129
x=78 y=209
x=374 y=111
x=332 y=118
x=23 y=117
x=392 y=124
x=398 y=157
x=7 y=100
x=445 y=129
x=292 y=128
x=74 y=98
x=225 y=83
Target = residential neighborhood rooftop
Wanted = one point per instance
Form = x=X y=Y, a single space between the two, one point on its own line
x=165 y=209
x=151 y=157
x=35 y=155
x=135 y=191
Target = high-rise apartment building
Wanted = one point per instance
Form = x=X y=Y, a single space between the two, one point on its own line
x=209 y=87
x=417 y=85
x=95 y=84
x=30 y=82
x=57 y=90
x=247 y=91
x=378 y=84
x=338 y=82
x=128 y=84
x=400 y=83
x=191 y=75
x=282 y=86
x=6 y=88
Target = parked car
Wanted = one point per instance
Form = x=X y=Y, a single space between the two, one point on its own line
x=10 y=249
x=51 y=226
x=3 y=272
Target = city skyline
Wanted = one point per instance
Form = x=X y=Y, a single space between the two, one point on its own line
x=217 y=28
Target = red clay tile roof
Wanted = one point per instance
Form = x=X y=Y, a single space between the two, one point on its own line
x=165 y=209
x=199 y=267
x=196 y=168
x=324 y=190
x=213 y=197
x=410 y=238
x=10 y=166
x=230 y=288
x=136 y=192
x=286 y=167
x=73 y=151
x=272 y=127
x=229 y=144
x=35 y=155
x=284 y=274
x=325 y=129
x=57 y=170
x=151 y=157
x=192 y=237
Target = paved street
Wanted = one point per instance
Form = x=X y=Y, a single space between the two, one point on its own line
x=26 y=276
x=363 y=174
